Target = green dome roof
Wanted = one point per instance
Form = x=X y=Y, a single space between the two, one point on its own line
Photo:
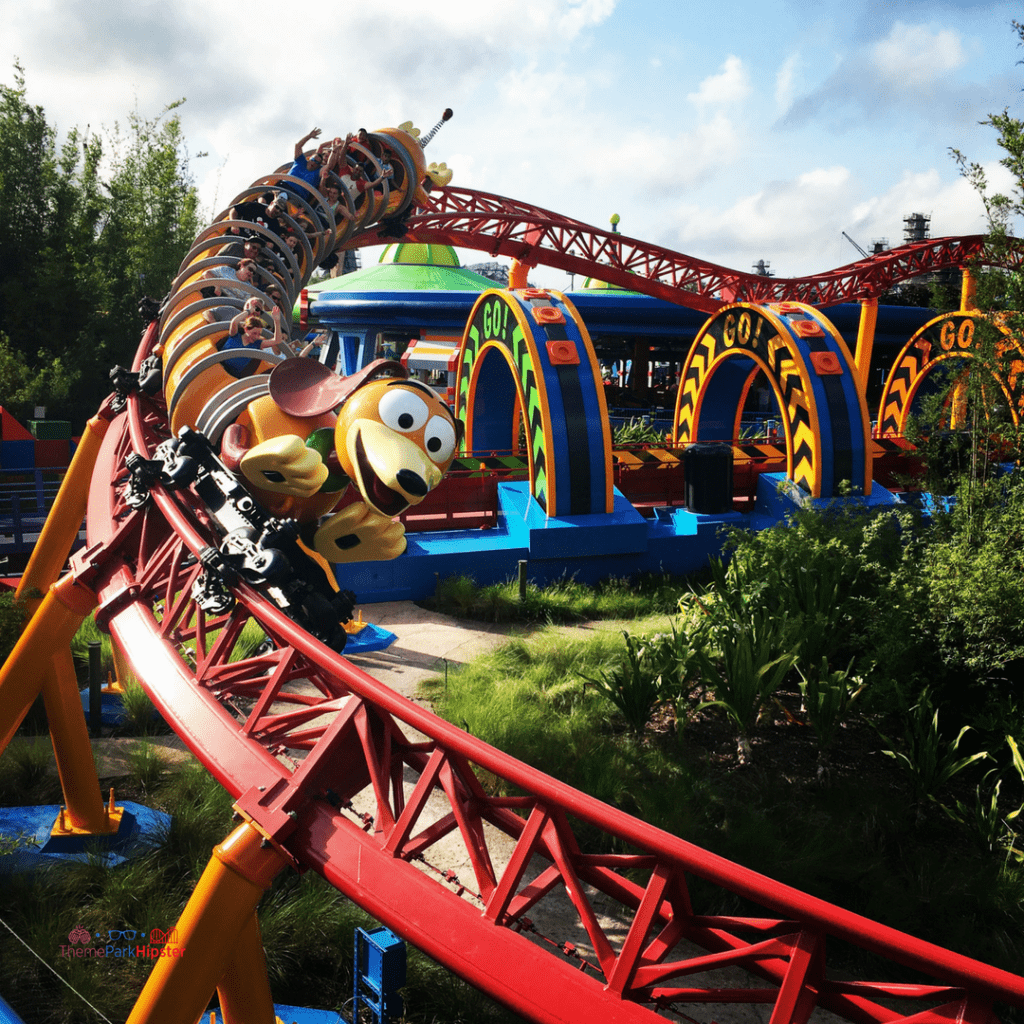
x=420 y=254
x=405 y=277
x=593 y=284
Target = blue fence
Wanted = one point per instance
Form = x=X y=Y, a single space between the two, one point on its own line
x=26 y=497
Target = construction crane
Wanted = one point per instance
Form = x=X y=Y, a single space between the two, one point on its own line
x=866 y=255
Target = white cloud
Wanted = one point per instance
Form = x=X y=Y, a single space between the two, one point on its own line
x=569 y=104
x=954 y=206
x=793 y=223
x=785 y=82
x=730 y=85
x=583 y=14
x=912 y=56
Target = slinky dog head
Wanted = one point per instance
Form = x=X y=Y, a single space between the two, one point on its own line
x=394 y=438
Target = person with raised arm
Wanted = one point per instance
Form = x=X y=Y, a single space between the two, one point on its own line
x=251 y=337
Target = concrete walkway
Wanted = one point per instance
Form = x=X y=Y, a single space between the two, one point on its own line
x=426 y=640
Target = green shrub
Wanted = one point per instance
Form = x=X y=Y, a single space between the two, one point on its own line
x=140 y=718
x=565 y=600
x=27 y=774
x=636 y=684
x=638 y=430
x=927 y=757
x=827 y=699
x=745 y=659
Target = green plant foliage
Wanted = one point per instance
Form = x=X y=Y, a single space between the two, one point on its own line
x=145 y=768
x=827 y=699
x=849 y=842
x=928 y=758
x=747 y=657
x=11 y=843
x=563 y=601
x=636 y=684
x=77 y=251
x=27 y=774
x=974 y=572
x=46 y=383
x=638 y=430
x=139 y=714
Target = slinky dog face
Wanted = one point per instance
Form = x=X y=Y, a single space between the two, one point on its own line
x=395 y=439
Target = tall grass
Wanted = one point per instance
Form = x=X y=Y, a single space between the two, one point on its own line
x=27 y=774
x=566 y=600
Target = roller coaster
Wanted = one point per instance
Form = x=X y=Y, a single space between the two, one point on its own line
x=331 y=771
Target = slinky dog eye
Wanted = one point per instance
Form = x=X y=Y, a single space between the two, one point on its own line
x=439 y=439
x=402 y=410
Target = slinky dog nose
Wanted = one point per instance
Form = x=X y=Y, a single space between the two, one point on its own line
x=412 y=483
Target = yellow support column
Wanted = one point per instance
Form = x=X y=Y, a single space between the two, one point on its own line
x=865 y=341
x=244 y=991
x=221 y=909
x=86 y=812
x=65 y=518
x=517 y=275
x=50 y=630
x=41 y=660
x=968 y=291
x=121 y=671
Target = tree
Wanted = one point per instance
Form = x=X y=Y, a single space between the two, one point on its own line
x=150 y=218
x=86 y=229
x=1000 y=294
x=45 y=199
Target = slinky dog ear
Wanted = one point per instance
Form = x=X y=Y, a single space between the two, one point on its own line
x=305 y=387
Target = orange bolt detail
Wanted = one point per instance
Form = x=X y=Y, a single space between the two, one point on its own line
x=563 y=353
x=826 y=363
x=807 y=328
x=548 y=315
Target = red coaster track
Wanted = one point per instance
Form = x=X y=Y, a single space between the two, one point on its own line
x=494 y=224
x=338 y=770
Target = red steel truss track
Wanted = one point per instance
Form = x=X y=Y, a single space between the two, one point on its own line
x=347 y=776
x=500 y=226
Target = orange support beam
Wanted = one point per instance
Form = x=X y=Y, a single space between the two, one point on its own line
x=865 y=341
x=968 y=291
x=216 y=936
x=65 y=518
x=244 y=990
x=41 y=662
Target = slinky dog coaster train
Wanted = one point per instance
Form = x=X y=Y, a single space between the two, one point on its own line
x=213 y=498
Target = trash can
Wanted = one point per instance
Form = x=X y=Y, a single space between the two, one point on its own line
x=707 y=472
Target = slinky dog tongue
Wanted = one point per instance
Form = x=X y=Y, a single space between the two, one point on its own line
x=304 y=387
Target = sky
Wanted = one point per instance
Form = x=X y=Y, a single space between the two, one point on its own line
x=732 y=131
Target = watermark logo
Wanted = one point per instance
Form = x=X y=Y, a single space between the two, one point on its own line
x=122 y=943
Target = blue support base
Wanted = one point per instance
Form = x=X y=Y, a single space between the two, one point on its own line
x=111 y=708
x=288 y=1015
x=141 y=829
x=369 y=638
x=588 y=548
x=7 y=1015
x=928 y=504
x=778 y=498
x=378 y=974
